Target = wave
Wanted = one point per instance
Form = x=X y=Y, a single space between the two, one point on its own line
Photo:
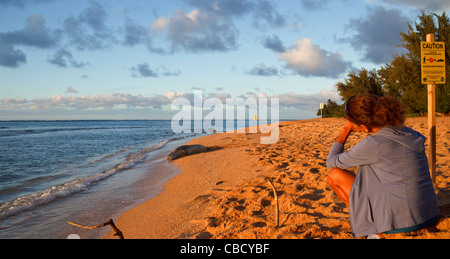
x=19 y=132
x=8 y=132
x=31 y=201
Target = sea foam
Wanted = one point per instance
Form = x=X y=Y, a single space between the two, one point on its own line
x=27 y=202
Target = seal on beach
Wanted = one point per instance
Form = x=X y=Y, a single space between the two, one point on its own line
x=186 y=151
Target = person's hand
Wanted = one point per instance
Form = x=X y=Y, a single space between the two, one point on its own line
x=354 y=127
x=349 y=126
x=345 y=132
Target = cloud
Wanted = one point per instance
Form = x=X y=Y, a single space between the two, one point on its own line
x=433 y=5
x=160 y=24
x=21 y=3
x=198 y=31
x=263 y=70
x=16 y=101
x=210 y=26
x=263 y=12
x=124 y=100
x=34 y=34
x=266 y=12
x=226 y=8
x=293 y=100
x=313 y=4
x=88 y=30
x=317 y=5
x=135 y=35
x=84 y=102
x=144 y=70
x=305 y=101
x=63 y=58
x=274 y=43
x=71 y=90
x=11 y=57
x=307 y=59
x=377 y=35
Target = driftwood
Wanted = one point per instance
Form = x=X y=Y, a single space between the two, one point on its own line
x=109 y=222
x=277 y=209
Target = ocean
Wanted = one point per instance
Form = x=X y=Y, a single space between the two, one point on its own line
x=86 y=172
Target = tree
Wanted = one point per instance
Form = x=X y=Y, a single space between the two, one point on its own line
x=332 y=110
x=401 y=78
x=443 y=34
x=366 y=82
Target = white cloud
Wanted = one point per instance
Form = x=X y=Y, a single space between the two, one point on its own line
x=305 y=101
x=96 y=101
x=126 y=101
x=160 y=24
x=210 y=25
x=171 y=95
x=198 y=31
x=308 y=59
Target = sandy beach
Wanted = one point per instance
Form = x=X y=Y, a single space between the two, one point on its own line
x=225 y=194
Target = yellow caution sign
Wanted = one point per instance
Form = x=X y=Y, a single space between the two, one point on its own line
x=433 y=62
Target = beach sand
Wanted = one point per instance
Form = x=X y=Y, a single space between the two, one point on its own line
x=224 y=193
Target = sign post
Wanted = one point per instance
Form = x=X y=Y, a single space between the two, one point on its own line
x=322 y=106
x=433 y=72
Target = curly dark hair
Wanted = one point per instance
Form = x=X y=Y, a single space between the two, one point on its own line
x=373 y=111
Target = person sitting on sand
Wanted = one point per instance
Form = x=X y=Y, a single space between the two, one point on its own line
x=392 y=191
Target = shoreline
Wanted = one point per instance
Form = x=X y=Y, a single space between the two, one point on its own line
x=125 y=191
x=182 y=201
x=223 y=193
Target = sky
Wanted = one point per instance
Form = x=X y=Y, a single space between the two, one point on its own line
x=129 y=59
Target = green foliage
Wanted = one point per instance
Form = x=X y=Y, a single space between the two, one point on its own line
x=366 y=82
x=402 y=77
x=404 y=71
x=332 y=110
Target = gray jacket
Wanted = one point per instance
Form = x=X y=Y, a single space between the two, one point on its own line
x=393 y=188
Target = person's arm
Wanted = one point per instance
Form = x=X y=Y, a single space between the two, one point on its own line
x=365 y=152
x=345 y=133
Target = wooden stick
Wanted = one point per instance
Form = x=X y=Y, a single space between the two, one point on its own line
x=432 y=124
x=277 y=209
x=109 y=222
